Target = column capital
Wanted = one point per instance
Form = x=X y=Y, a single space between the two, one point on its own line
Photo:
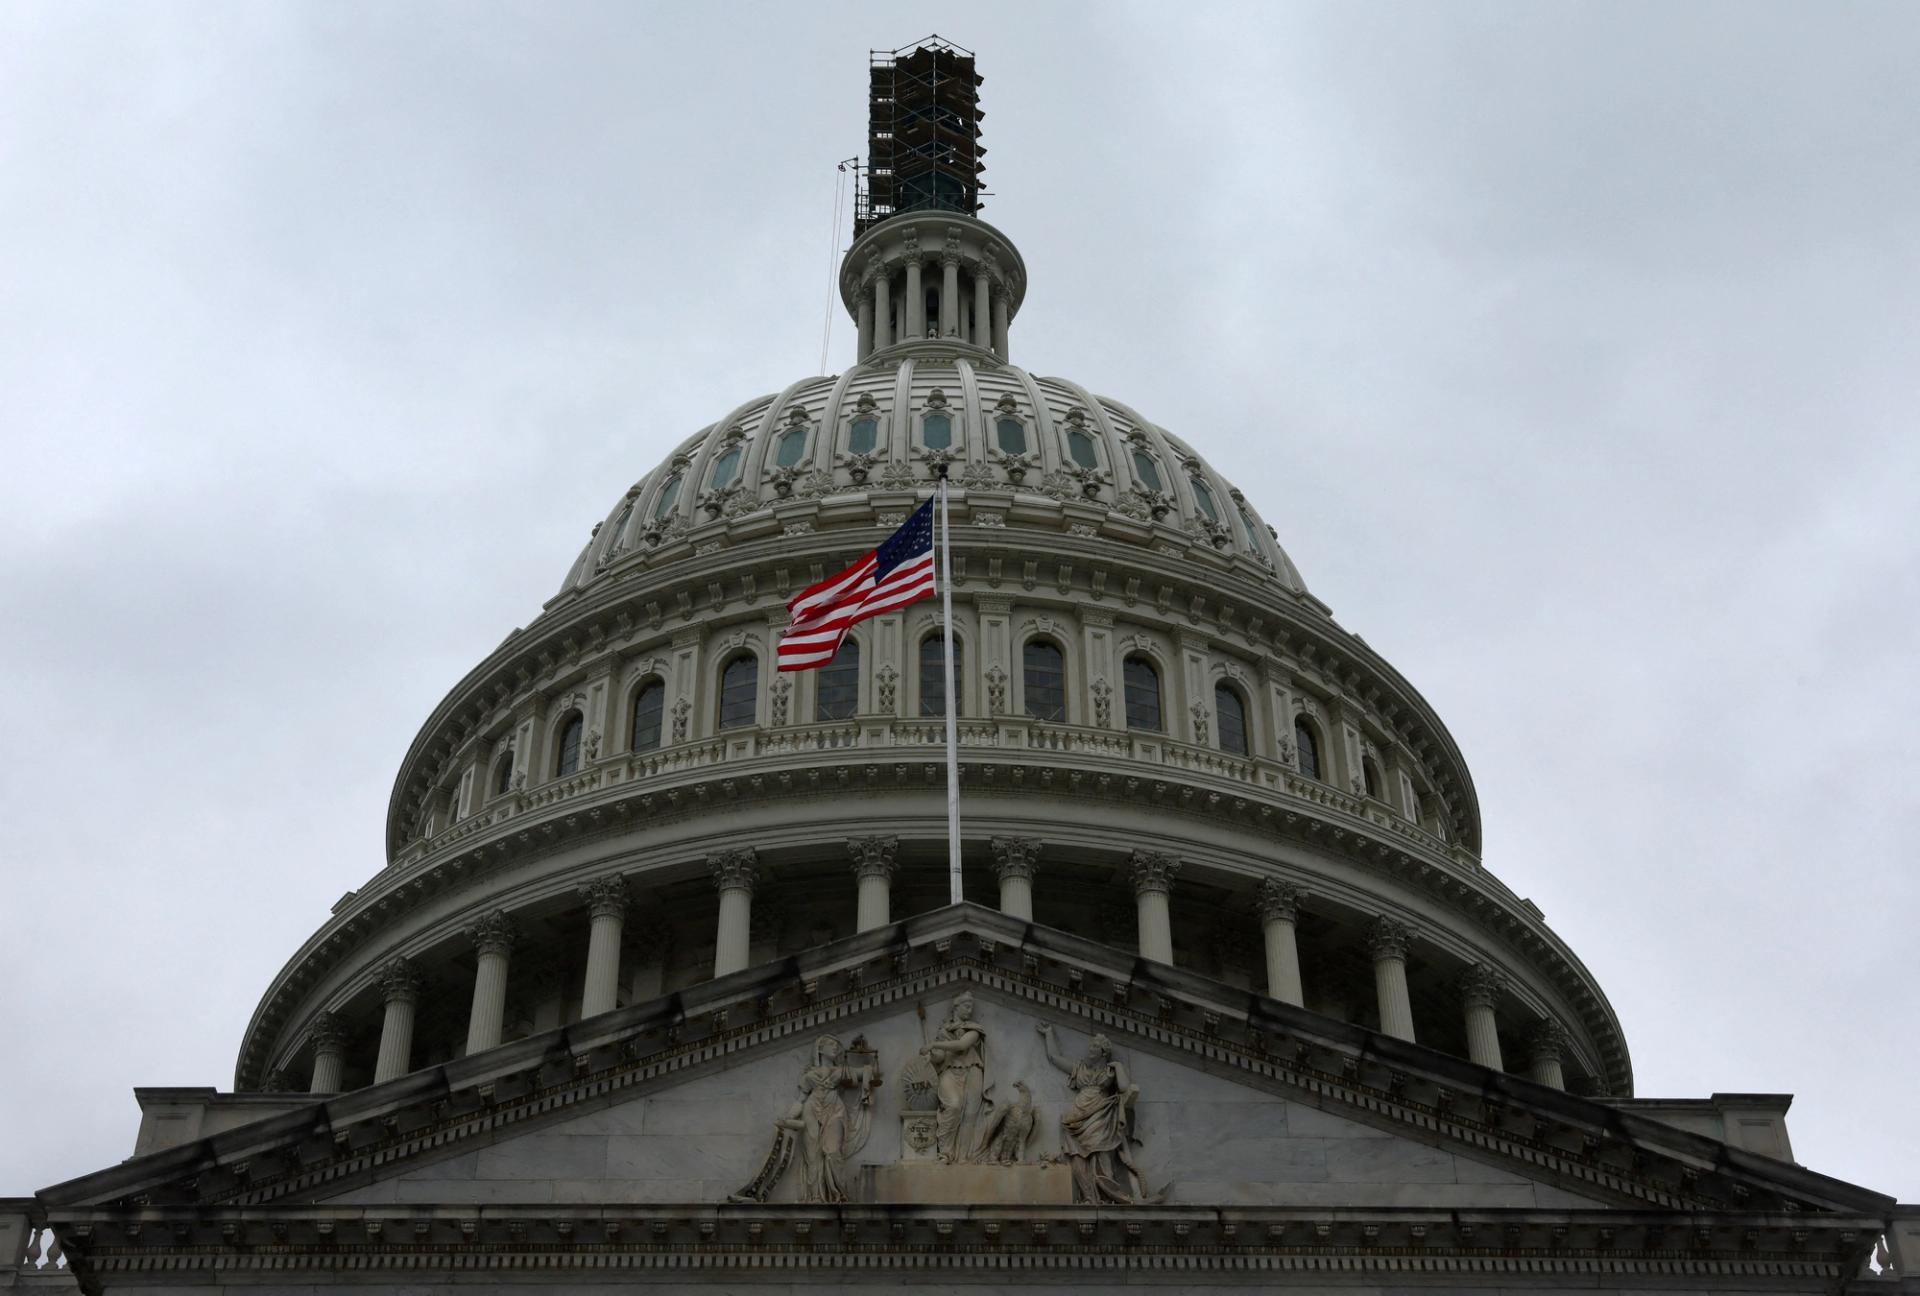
x=950 y=258
x=493 y=933
x=1152 y=871
x=873 y=856
x=1277 y=900
x=1388 y=939
x=734 y=870
x=606 y=897
x=1481 y=986
x=1546 y=1041
x=328 y=1032
x=400 y=981
x=1015 y=857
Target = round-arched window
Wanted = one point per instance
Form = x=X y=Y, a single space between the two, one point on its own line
x=863 y=436
x=1142 y=684
x=933 y=675
x=1370 y=776
x=668 y=495
x=936 y=431
x=839 y=686
x=649 y=704
x=740 y=692
x=1044 y=680
x=567 y=759
x=503 y=775
x=1147 y=471
x=792 y=444
x=1307 y=747
x=1230 y=715
x=1012 y=436
x=725 y=467
x=1080 y=448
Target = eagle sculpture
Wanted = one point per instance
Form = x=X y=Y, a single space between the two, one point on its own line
x=1009 y=1128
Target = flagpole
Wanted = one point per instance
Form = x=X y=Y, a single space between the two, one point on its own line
x=953 y=753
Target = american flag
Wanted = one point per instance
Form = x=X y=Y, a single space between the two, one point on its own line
x=899 y=572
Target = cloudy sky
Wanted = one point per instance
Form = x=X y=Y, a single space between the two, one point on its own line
x=1574 y=351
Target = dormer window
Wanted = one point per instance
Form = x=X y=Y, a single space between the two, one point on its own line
x=1204 y=498
x=669 y=494
x=1011 y=435
x=1147 y=471
x=792 y=444
x=936 y=431
x=863 y=435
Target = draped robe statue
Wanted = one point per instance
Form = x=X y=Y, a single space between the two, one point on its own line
x=1096 y=1128
x=958 y=1054
x=820 y=1127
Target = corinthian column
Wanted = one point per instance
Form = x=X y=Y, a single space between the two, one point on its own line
x=607 y=904
x=982 y=309
x=329 y=1036
x=1546 y=1043
x=873 y=864
x=400 y=988
x=492 y=938
x=1000 y=322
x=1480 y=988
x=1153 y=874
x=866 y=325
x=1016 y=860
x=882 y=311
x=950 y=294
x=1279 y=905
x=1388 y=940
x=916 y=303
x=734 y=875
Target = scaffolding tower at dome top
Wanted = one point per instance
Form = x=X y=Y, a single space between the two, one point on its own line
x=923 y=133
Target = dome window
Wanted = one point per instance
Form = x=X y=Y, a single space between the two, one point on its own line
x=740 y=692
x=1012 y=436
x=933 y=675
x=1308 y=749
x=669 y=495
x=863 y=436
x=568 y=760
x=1080 y=448
x=839 y=688
x=1147 y=471
x=1230 y=717
x=725 y=468
x=648 y=706
x=620 y=527
x=791 y=446
x=936 y=431
x=1044 y=680
x=1370 y=776
x=503 y=774
x=1204 y=498
x=1142 y=684
x=1251 y=528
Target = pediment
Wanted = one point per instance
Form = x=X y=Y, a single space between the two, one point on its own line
x=1242 y=1101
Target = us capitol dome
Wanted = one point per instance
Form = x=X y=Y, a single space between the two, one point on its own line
x=661 y=979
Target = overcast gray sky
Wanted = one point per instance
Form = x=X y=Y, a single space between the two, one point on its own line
x=1573 y=349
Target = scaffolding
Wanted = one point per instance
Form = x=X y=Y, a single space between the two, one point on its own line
x=923 y=133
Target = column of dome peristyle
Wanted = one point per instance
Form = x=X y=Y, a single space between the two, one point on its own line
x=1153 y=873
x=873 y=865
x=1480 y=988
x=1015 y=860
x=1279 y=905
x=492 y=939
x=1546 y=1042
x=1387 y=940
x=734 y=875
x=881 y=281
x=400 y=988
x=607 y=906
x=329 y=1036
